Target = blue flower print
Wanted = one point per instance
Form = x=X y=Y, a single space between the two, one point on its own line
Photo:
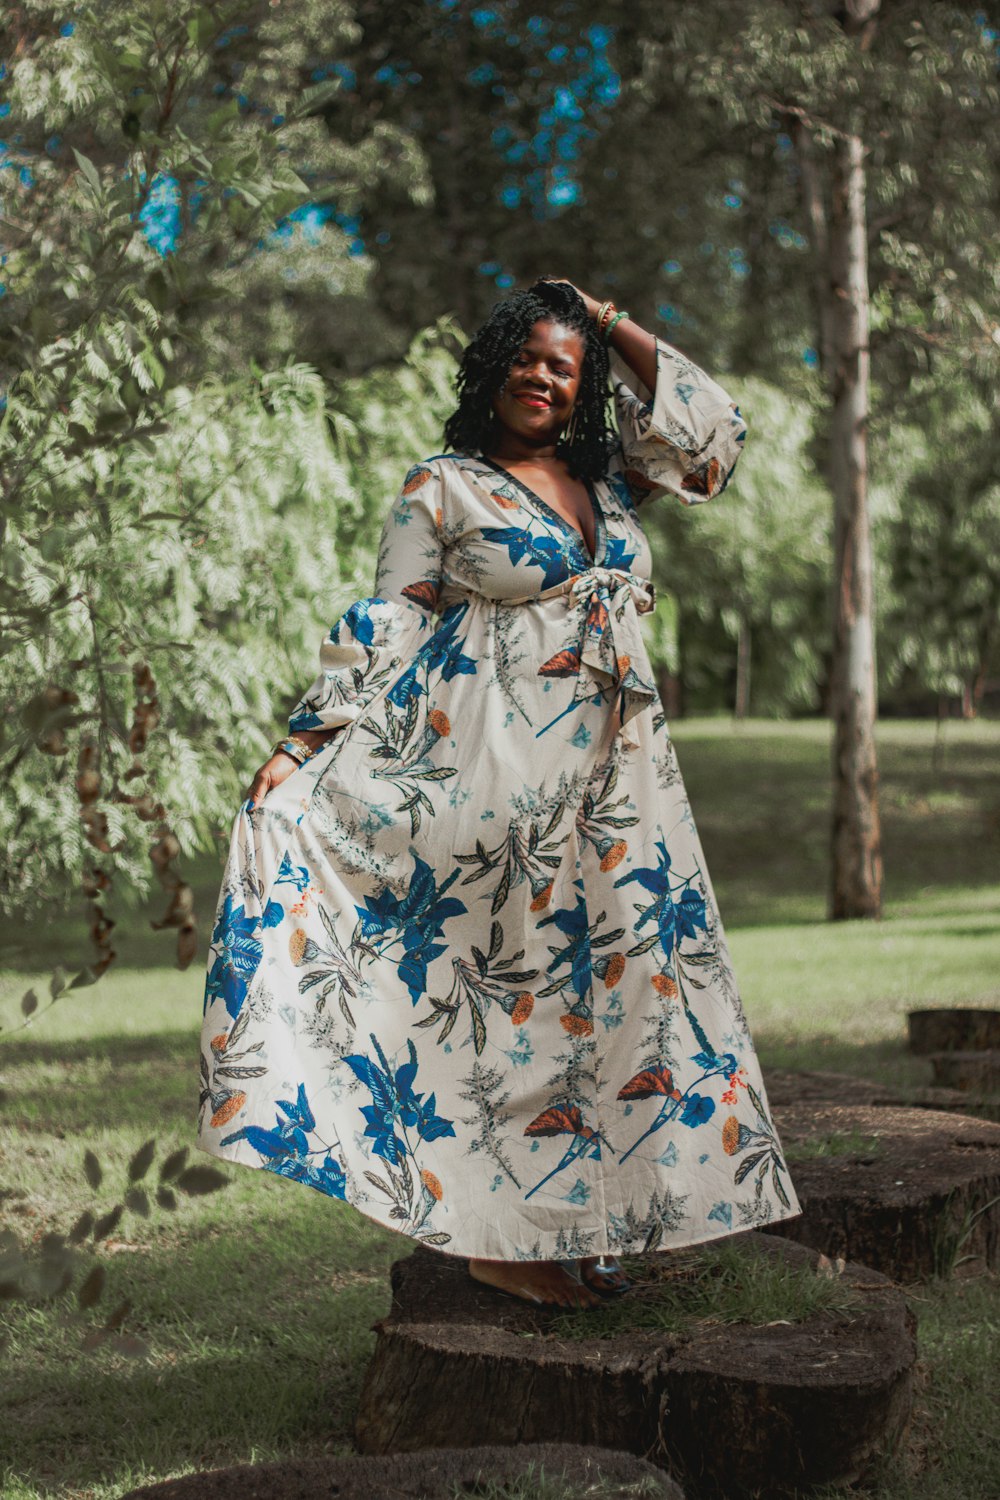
x=395 y=1104
x=541 y=551
x=620 y=554
x=443 y=652
x=237 y=937
x=286 y=1149
x=417 y=918
x=676 y=918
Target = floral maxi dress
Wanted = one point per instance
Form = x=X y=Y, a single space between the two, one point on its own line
x=468 y=972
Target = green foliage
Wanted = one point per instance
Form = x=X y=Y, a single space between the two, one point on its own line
x=760 y=554
x=220 y=555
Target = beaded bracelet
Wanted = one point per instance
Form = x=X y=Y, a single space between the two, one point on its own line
x=609 y=326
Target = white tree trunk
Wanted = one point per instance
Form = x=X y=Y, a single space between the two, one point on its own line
x=856 y=876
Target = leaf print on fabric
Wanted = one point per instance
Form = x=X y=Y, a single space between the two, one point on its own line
x=677 y=909
x=286 y=1150
x=408 y=765
x=483 y=1088
x=543 y=552
x=762 y=1142
x=478 y=983
x=329 y=969
x=227 y=1063
x=443 y=654
x=525 y=853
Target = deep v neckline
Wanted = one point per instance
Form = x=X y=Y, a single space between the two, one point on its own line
x=600 y=532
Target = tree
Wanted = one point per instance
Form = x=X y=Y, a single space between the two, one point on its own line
x=885 y=104
x=142 y=182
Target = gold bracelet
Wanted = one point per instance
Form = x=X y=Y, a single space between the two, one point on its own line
x=604 y=311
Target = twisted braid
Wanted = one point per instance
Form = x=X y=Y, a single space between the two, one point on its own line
x=487 y=362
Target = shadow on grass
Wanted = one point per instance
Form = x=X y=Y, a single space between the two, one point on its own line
x=120 y=1082
x=887 y=1062
x=257 y=1348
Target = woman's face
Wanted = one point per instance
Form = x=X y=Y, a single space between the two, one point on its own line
x=537 y=397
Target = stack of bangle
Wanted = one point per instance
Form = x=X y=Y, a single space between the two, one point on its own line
x=296 y=748
x=607 y=316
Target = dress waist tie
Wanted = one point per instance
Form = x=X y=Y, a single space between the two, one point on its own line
x=611 y=652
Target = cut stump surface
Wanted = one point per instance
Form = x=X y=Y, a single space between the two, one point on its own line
x=911 y=1192
x=729 y=1409
x=573 y=1473
x=953 y=1030
x=791 y=1086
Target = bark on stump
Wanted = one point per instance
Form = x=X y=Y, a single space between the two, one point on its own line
x=953 y=1030
x=732 y=1410
x=969 y=1072
x=582 y=1473
x=912 y=1192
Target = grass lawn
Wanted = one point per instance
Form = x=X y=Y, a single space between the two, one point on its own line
x=256 y=1302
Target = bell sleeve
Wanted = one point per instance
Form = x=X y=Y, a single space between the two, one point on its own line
x=684 y=438
x=376 y=636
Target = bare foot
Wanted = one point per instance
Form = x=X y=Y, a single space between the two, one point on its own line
x=539 y=1281
x=608 y=1278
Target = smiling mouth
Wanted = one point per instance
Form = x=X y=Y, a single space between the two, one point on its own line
x=527 y=398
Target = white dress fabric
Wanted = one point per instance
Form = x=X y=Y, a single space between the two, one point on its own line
x=468 y=972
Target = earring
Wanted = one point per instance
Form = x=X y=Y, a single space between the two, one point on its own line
x=569 y=436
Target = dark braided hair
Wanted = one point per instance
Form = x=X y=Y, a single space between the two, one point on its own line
x=487 y=362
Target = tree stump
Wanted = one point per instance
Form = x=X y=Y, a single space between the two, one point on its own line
x=953 y=1030
x=787 y=1086
x=570 y=1474
x=911 y=1192
x=969 y=1072
x=730 y=1409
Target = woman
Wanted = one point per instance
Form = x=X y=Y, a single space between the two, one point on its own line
x=468 y=971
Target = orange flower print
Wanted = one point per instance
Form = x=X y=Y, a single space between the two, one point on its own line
x=664 y=986
x=297 y=945
x=731 y=1135
x=615 y=969
x=439 y=721
x=523 y=1006
x=614 y=855
x=576 y=1025
x=230 y=1107
x=416 y=479
x=542 y=897
x=218 y=1042
x=432 y=1185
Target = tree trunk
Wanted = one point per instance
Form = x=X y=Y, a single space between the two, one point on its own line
x=742 y=704
x=856 y=875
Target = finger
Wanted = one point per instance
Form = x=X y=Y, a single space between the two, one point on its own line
x=258 y=790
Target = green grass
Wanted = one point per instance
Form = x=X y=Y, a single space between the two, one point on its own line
x=723 y=1282
x=841 y=1143
x=256 y=1302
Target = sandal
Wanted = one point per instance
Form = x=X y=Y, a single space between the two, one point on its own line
x=597 y=1277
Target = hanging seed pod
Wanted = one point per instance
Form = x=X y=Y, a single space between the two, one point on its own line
x=187 y=944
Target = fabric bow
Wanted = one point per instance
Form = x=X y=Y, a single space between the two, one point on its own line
x=612 y=648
